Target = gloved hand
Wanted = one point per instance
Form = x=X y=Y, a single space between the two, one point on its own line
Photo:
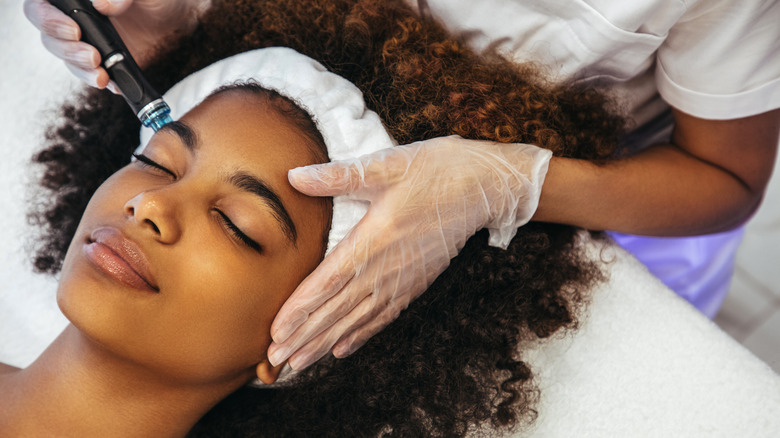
x=426 y=199
x=142 y=24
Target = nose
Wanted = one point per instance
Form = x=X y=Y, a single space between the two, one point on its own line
x=156 y=214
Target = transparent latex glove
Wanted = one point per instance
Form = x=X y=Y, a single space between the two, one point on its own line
x=426 y=199
x=142 y=24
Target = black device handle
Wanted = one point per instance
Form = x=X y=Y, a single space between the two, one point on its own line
x=97 y=30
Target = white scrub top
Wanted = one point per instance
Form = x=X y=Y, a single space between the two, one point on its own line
x=714 y=59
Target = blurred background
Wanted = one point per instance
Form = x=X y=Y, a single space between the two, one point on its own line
x=33 y=83
x=751 y=312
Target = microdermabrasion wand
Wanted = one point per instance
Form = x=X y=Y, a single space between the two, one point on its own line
x=97 y=30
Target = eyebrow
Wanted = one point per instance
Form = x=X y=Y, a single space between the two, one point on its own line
x=242 y=180
x=256 y=186
x=185 y=133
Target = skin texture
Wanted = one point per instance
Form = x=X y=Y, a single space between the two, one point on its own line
x=163 y=356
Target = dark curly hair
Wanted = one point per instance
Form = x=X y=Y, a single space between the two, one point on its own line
x=452 y=362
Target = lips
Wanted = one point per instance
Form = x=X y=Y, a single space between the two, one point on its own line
x=120 y=258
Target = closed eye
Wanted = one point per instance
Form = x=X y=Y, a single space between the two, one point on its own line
x=145 y=161
x=237 y=233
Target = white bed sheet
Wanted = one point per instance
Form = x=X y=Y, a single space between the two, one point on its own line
x=643 y=363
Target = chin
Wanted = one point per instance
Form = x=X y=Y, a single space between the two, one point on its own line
x=101 y=313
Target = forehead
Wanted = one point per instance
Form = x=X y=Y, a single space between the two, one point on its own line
x=243 y=122
x=238 y=130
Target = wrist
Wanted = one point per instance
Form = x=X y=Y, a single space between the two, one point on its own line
x=520 y=172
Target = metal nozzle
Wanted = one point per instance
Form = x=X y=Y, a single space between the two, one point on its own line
x=155 y=115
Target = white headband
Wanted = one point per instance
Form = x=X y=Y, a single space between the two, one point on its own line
x=336 y=105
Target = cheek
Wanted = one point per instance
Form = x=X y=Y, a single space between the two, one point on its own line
x=219 y=315
x=78 y=295
x=107 y=204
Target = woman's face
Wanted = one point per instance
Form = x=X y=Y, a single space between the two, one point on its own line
x=183 y=257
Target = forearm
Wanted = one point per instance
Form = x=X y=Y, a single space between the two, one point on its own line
x=711 y=179
x=662 y=191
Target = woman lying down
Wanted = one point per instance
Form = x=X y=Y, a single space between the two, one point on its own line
x=182 y=258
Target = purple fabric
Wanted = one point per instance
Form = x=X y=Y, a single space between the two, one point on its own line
x=699 y=268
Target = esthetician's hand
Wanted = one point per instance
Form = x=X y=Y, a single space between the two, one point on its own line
x=142 y=24
x=426 y=199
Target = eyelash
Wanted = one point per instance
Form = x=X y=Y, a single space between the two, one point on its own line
x=145 y=161
x=235 y=232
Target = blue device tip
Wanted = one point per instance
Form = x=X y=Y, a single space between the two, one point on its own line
x=158 y=122
x=156 y=115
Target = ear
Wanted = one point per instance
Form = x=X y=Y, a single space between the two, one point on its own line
x=268 y=373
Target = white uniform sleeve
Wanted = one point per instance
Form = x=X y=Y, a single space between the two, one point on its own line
x=722 y=59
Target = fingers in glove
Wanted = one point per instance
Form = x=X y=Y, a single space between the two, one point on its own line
x=321 y=345
x=363 y=322
x=330 y=179
x=318 y=322
x=403 y=280
x=357 y=338
x=50 y=21
x=77 y=53
x=95 y=77
x=314 y=350
x=333 y=273
x=366 y=298
x=111 y=7
x=354 y=176
x=349 y=259
x=112 y=87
